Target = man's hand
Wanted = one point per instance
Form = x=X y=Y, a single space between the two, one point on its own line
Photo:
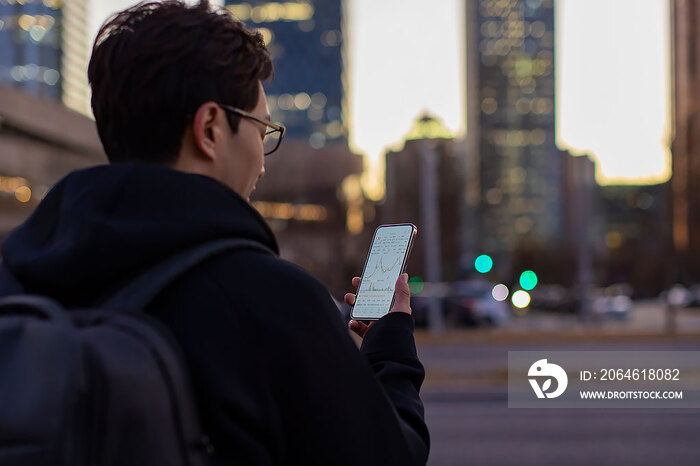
x=402 y=302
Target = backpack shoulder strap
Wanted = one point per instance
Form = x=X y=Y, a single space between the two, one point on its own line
x=138 y=293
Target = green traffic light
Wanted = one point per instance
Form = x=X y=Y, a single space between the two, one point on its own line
x=483 y=263
x=528 y=280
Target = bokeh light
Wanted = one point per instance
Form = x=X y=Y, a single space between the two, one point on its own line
x=415 y=284
x=521 y=299
x=23 y=193
x=499 y=292
x=528 y=280
x=483 y=263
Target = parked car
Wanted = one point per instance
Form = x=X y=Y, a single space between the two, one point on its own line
x=464 y=303
x=611 y=302
x=472 y=303
x=553 y=298
x=420 y=305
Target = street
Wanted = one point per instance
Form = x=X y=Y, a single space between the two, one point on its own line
x=489 y=433
x=465 y=396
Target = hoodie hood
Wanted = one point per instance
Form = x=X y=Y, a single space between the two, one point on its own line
x=102 y=225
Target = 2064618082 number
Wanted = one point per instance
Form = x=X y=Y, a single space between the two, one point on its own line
x=639 y=374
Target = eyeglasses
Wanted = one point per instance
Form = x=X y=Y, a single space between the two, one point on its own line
x=273 y=137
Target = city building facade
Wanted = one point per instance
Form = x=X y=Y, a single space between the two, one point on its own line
x=40 y=142
x=634 y=244
x=305 y=39
x=44 y=50
x=421 y=182
x=513 y=171
x=304 y=197
x=685 y=148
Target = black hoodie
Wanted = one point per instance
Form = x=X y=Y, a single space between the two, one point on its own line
x=278 y=379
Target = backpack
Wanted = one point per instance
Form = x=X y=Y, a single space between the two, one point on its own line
x=99 y=386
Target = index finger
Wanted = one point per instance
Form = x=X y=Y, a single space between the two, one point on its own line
x=355 y=281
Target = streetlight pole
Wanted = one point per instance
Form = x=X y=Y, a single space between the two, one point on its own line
x=430 y=209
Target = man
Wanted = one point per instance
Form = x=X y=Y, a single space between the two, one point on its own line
x=181 y=112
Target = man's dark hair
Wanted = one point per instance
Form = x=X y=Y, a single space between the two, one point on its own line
x=154 y=64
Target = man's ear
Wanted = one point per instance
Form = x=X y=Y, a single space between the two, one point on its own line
x=204 y=128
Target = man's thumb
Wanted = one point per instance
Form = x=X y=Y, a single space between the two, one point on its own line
x=402 y=298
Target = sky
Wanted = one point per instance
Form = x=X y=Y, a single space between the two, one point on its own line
x=613 y=86
x=406 y=57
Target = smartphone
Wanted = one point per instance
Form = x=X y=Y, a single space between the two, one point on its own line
x=388 y=253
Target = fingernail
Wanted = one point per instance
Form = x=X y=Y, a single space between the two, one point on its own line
x=404 y=278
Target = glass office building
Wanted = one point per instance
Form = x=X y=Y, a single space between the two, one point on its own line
x=30 y=46
x=305 y=39
x=511 y=108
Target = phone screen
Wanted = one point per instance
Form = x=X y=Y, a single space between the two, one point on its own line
x=385 y=262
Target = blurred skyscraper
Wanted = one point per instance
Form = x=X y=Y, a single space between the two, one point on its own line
x=76 y=55
x=421 y=181
x=685 y=181
x=305 y=40
x=44 y=49
x=514 y=169
x=634 y=226
x=40 y=141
